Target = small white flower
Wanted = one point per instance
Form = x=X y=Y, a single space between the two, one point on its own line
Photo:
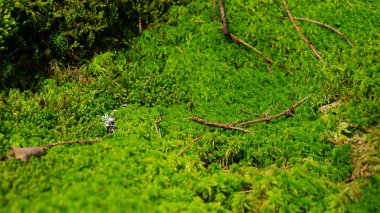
x=109 y=123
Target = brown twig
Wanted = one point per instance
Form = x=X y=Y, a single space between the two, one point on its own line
x=269 y=69
x=24 y=153
x=234 y=37
x=237 y=39
x=361 y=174
x=156 y=126
x=191 y=143
x=140 y=24
x=245 y=191
x=288 y=112
x=214 y=8
x=334 y=141
x=218 y=125
x=198 y=21
x=72 y=142
x=326 y=26
x=224 y=19
x=303 y=37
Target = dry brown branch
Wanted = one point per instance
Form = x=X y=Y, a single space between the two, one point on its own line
x=237 y=39
x=198 y=21
x=361 y=174
x=326 y=26
x=156 y=126
x=303 y=37
x=214 y=8
x=25 y=153
x=191 y=143
x=140 y=24
x=334 y=141
x=224 y=19
x=288 y=112
x=218 y=125
x=269 y=69
x=245 y=191
x=234 y=37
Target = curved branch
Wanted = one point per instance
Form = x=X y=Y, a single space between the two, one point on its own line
x=303 y=37
x=218 y=125
x=326 y=26
x=288 y=112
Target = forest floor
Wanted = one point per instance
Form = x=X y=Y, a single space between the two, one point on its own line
x=177 y=105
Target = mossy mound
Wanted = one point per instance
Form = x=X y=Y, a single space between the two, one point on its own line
x=317 y=160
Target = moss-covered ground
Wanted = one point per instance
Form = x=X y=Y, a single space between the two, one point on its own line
x=315 y=161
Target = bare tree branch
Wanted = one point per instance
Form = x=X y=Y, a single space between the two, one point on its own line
x=326 y=26
x=191 y=143
x=288 y=112
x=218 y=125
x=303 y=37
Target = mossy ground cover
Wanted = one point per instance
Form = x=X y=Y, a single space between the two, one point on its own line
x=288 y=164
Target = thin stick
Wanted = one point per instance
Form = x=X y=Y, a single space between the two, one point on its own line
x=198 y=21
x=288 y=112
x=214 y=8
x=140 y=24
x=303 y=37
x=191 y=143
x=72 y=142
x=224 y=19
x=218 y=125
x=156 y=126
x=235 y=38
x=245 y=191
x=326 y=26
x=269 y=69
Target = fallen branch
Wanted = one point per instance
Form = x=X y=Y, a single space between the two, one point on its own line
x=25 y=153
x=361 y=174
x=234 y=37
x=224 y=19
x=156 y=126
x=214 y=8
x=191 y=143
x=245 y=191
x=303 y=37
x=218 y=125
x=326 y=26
x=288 y=112
x=237 y=39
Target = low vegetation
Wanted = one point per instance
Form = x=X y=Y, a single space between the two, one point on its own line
x=323 y=156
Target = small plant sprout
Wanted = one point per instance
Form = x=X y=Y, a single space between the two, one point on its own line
x=109 y=122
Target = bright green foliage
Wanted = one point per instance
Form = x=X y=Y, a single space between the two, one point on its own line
x=7 y=22
x=287 y=165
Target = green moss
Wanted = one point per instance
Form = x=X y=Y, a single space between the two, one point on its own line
x=288 y=164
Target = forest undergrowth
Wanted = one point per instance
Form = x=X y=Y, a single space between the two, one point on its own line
x=322 y=156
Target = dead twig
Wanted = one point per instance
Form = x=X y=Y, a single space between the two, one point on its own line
x=214 y=8
x=191 y=143
x=288 y=112
x=198 y=21
x=224 y=19
x=334 y=141
x=326 y=26
x=245 y=191
x=25 y=153
x=218 y=125
x=234 y=37
x=303 y=37
x=156 y=126
x=237 y=39
x=269 y=69
x=360 y=174
x=140 y=24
